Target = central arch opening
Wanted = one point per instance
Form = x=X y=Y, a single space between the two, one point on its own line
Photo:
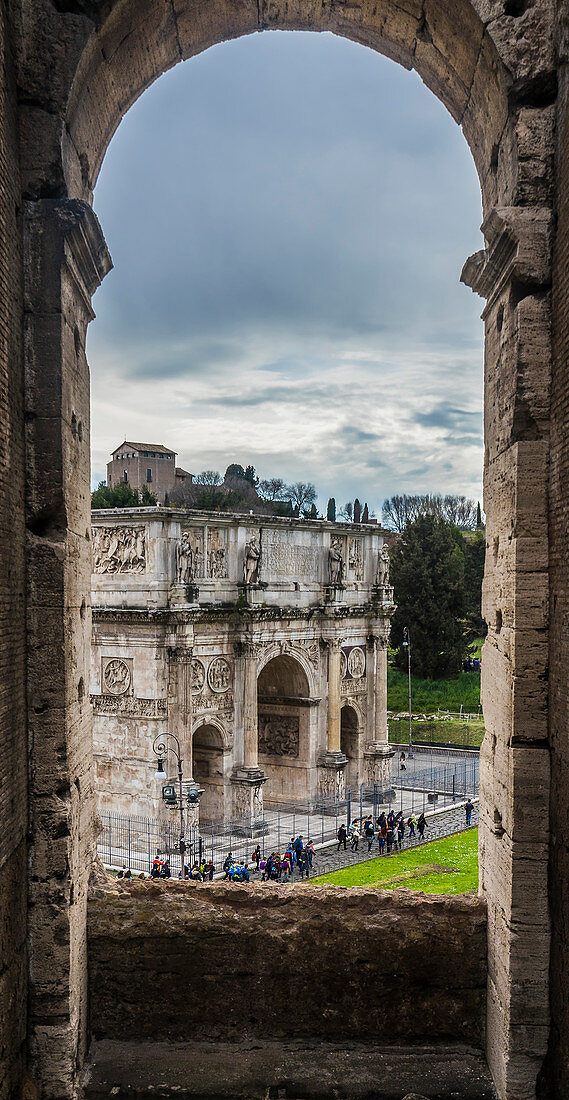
x=285 y=727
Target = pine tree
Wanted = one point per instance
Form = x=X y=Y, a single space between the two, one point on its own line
x=357 y=511
x=365 y=514
x=331 y=510
x=478 y=517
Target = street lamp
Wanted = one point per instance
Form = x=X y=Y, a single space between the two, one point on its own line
x=407 y=643
x=160 y=750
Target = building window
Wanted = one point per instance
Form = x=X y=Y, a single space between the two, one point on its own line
x=149 y=475
x=125 y=476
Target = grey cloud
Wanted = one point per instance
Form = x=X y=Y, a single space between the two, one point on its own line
x=311 y=235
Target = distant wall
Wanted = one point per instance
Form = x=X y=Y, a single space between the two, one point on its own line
x=224 y=962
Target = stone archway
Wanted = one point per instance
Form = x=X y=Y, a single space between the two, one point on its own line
x=284 y=711
x=494 y=69
x=207 y=758
x=349 y=745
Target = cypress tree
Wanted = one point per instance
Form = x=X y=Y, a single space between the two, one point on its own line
x=331 y=510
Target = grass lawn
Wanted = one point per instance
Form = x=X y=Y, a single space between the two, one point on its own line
x=429 y=695
x=467 y=735
x=447 y=866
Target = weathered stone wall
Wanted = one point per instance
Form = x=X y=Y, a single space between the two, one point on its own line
x=558 y=1059
x=225 y=962
x=13 y=742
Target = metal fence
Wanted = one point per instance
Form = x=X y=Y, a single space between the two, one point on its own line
x=134 y=842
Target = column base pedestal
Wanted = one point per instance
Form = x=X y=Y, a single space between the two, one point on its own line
x=248 y=801
x=331 y=778
x=377 y=769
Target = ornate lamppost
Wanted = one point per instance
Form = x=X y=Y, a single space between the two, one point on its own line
x=407 y=643
x=161 y=748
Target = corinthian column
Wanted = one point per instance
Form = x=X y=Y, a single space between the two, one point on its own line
x=378 y=754
x=180 y=703
x=380 y=690
x=247 y=778
x=250 y=719
x=334 y=676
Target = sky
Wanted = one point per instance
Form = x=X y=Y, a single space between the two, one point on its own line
x=288 y=215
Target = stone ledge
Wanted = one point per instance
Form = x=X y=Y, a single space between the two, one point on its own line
x=293 y=1070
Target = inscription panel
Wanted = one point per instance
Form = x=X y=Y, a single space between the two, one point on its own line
x=282 y=559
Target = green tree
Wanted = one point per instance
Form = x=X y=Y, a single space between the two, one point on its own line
x=331 y=510
x=474 y=554
x=427 y=573
x=365 y=514
x=234 y=470
x=250 y=474
x=121 y=496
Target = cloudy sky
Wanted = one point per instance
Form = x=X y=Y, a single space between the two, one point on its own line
x=288 y=215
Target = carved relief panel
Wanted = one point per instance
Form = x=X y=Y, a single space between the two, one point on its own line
x=217 y=552
x=212 y=683
x=279 y=735
x=356 y=559
x=116 y=676
x=353 y=666
x=193 y=543
x=119 y=550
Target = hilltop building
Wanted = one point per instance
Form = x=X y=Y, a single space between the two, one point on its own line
x=146 y=464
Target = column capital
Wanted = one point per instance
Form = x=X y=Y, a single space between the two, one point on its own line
x=247 y=648
x=179 y=655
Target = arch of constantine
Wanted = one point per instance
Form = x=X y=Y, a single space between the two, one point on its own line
x=70 y=70
x=261 y=644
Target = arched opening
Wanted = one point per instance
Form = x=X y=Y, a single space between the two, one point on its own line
x=456 y=56
x=350 y=746
x=208 y=772
x=284 y=717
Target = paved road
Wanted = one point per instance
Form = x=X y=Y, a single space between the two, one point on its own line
x=439 y=825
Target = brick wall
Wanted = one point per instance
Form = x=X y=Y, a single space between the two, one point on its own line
x=226 y=962
x=12 y=625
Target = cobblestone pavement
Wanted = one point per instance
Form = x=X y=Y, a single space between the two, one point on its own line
x=438 y=825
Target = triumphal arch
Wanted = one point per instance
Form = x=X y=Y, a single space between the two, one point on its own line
x=70 y=70
x=261 y=643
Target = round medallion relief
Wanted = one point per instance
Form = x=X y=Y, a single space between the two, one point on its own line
x=343 y=665
x=116 y=677
x=356 y=662
x=198 y=675
x=219 y=674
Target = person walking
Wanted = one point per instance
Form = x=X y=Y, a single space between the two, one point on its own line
x=356 y=835
x=342 y=837
x=256 y=856
x=310 y=853
x=381 y=839
x=411 y=822
x=369 y=834
x=285 y=867
x=421 y=825
x=468 y=808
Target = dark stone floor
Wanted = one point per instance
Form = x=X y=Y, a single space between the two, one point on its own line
x=281 y=1070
